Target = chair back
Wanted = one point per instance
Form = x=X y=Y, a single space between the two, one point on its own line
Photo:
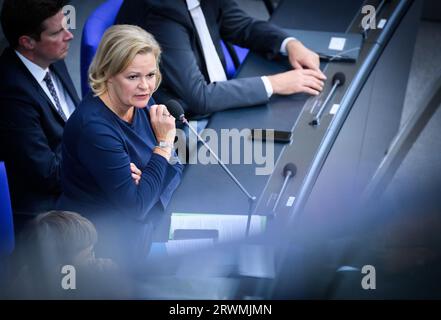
x=98 y=22
x=7 y=239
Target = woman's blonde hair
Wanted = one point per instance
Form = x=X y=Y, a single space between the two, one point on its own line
x=117 y=49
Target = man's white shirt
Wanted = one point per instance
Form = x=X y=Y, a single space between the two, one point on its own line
x=214 y=66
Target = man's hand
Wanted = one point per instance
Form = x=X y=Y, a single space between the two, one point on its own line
x=296 y=81
x=136 y=173
x=301 y=57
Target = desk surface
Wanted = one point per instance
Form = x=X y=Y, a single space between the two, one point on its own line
x=205 y=188
x=316 y=15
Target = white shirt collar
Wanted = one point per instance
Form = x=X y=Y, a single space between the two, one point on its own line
x=191 y=4
x=37 y=72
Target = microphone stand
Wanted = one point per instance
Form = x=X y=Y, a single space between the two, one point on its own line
x=251 y=199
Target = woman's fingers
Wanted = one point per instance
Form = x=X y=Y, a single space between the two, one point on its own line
x=136 y=178
x=135 y=169
x=136 y=173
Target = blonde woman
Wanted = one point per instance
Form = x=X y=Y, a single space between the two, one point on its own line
x=114 y=133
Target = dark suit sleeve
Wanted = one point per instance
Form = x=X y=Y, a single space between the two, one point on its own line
x=181 y=73
x=102 y=152
x=27 y=146
x=239 y=28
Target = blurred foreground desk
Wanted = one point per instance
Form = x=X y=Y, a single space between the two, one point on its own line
x=334 y=159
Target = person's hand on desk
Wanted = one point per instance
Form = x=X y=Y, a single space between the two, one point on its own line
x=301 y=57
x=296 y=81
x=164 y=128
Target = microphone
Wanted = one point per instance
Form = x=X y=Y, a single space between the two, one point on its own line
x=337 y=80
x=176 y=110
x=289 y=171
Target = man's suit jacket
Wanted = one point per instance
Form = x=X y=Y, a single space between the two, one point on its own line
x=30 y=135
x=182 y=64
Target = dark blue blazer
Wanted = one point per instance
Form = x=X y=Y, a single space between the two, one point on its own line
x=183 y=66
x=30 y=135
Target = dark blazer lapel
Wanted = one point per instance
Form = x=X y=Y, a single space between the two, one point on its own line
x=178 y=11
x=211 y=10
x=46 y=98
x=60 y=70
x=195 y=38
x=42 y=95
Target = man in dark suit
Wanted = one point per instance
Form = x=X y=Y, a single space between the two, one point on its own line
x=178 y=26
x=36 y=98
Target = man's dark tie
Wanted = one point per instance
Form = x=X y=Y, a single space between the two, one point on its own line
x=51 y=87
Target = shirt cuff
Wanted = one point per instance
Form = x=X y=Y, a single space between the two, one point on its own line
x=283 y=46
x=268 y=86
